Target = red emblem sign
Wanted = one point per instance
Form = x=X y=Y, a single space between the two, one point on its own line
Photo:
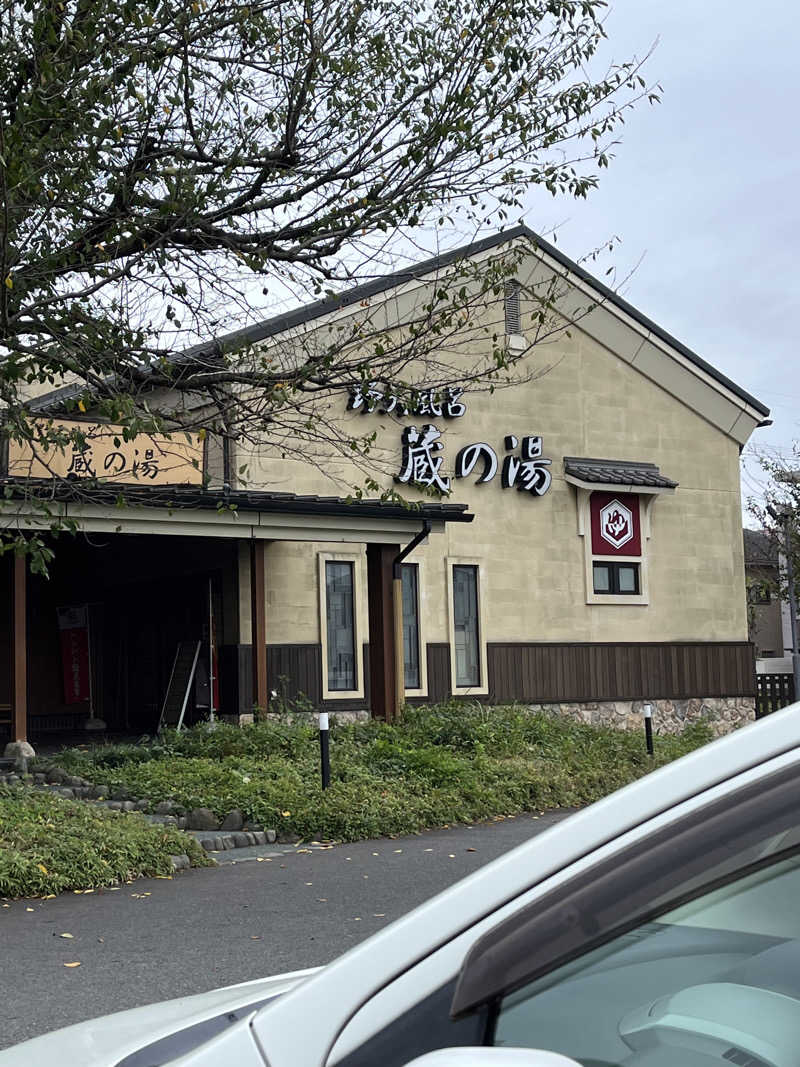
x=615 y=524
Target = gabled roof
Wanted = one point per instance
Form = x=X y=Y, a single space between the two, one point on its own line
x=278 y=324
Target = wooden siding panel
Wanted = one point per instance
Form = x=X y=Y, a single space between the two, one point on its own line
x=439 y=673
x=296 y=670
x=531 y=673
x=567 y=673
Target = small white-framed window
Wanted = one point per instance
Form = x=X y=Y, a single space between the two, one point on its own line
x=342 y=659
x=468 y=666
x=414 y=647
x=411 y=646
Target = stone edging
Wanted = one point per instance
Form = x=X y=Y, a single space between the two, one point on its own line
x=211 y=833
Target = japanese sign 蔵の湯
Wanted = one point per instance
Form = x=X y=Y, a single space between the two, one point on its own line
x=423 y=458
x=103 y=454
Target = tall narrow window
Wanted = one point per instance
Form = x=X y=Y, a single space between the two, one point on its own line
x=411 y=626
x=340 y=625
x=465 y=625
x=512 y=310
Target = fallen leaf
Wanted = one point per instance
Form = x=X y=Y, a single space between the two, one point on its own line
x=29 y=909
x=6 y=905
x=286 y=814
x=42 y=868
x=70 y=936
x=75 y=964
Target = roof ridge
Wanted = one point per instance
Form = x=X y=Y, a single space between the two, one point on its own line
x=306 y=313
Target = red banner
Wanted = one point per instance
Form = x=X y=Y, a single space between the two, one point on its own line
x=615 y=524
x=73 y=623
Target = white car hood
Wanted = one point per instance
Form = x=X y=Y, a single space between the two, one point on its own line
x=105 y=1041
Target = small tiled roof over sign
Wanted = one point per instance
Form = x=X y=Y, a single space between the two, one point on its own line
x=622 y=472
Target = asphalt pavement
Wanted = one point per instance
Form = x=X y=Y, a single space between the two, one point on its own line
x=158 y=938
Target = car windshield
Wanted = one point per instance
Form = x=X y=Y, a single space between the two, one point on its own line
x=716 y=979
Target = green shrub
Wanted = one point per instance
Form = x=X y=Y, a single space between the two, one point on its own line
x=48 y=844
x=441 y=764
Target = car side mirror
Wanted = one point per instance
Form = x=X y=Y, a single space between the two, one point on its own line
x=492 y=1057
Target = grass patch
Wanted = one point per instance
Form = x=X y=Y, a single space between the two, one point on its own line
x=442 y=764
x=48 y=844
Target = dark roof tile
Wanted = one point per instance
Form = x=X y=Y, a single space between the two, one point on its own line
x=617 y=472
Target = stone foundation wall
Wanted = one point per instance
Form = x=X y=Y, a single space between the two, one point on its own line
x=721 y=714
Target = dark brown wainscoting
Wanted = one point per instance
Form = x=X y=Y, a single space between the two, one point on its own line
x=563 y=673
x=438 y=674
x=294 y=671
x=533 y=673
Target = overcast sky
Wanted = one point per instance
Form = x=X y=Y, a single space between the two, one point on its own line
x=706 y=188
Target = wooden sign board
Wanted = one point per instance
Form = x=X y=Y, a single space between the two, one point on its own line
x=106 y=456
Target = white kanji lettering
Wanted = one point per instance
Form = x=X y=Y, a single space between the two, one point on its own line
x=468 y=457
x=421 y=462
x=528 y=472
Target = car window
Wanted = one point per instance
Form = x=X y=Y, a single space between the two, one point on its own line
x=715 y=980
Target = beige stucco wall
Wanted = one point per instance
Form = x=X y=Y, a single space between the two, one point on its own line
x=590 y=402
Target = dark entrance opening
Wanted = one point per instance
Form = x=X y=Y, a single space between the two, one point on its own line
x=144 y=595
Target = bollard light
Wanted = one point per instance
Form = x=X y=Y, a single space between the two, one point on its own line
x=324 y=751
x=648 y=727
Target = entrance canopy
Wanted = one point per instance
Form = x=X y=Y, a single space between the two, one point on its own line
x=153 y=578
x=187 y=511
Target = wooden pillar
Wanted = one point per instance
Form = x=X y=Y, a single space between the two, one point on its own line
x=19 y=649
x=383 y=695
x=258 y=616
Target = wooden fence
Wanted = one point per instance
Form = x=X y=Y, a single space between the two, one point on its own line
x=773 y=692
